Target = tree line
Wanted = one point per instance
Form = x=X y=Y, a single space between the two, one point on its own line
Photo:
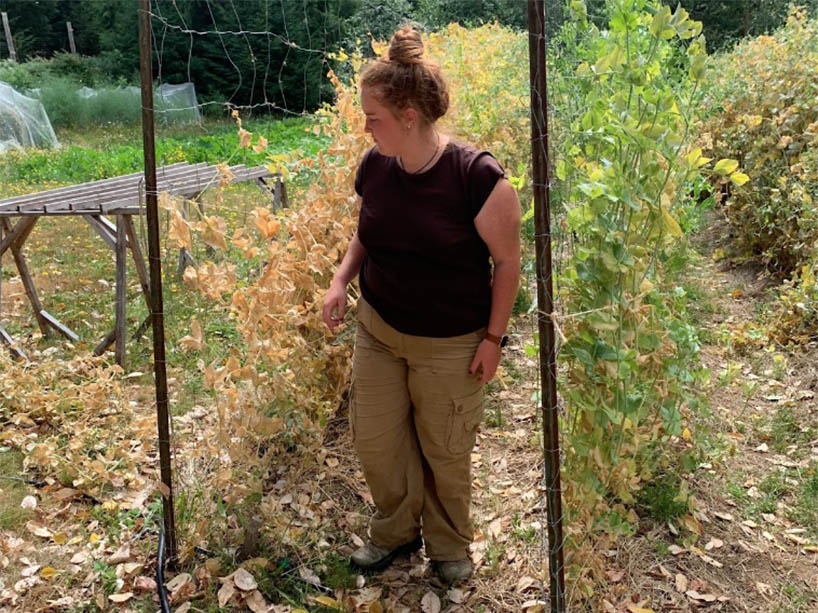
x=287 y=67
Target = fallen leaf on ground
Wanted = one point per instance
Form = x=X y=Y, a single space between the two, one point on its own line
x=711 y=561
x=80 y=557
x=123 y=554
x=430 y=603
x=256 y=603
x=308 y=575
x=525 y=582
x=39 y=530
x=183 y=589
x=244 y=580
x=328 y=602
x=697 y=596
x=144 y=584
x=29 y=571
x=763 y=588
x=456 y=596
x=124 y=597
x=226 y=592
x=29 y=502
x=681 y=583
x=48 y=572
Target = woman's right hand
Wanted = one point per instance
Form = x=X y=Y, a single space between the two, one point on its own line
x=335 y=304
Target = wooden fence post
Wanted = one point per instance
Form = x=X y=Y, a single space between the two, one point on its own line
x=9 y=41
x=71 y=44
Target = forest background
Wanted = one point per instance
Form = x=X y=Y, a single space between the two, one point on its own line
x=106 y=31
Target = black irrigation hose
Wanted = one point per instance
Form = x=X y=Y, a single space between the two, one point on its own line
x=160 y=573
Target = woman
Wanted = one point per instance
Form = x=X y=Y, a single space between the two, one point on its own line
x=435 y=214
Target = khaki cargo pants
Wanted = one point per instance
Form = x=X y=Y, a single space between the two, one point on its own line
x=414 y=414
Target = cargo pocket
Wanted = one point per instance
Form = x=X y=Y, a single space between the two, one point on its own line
x=464 y=418
x=352 y=409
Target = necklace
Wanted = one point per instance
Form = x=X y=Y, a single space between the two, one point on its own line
x=429 y=161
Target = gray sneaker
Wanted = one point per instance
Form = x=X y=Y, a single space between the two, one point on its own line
x=454 y=571
x=370 y=557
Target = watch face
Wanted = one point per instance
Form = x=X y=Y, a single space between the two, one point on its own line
x=504 y=341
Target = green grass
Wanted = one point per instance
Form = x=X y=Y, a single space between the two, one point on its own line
x=100 y=153
x=795 y=599
x=805 y=509
x=773 y=488
x=12 y=517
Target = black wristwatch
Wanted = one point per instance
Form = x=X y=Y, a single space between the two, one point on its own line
x=500 y=341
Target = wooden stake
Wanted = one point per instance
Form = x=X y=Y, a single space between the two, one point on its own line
x=9 y=41
x=155 y=263
x=545 y=302
x=71 y=44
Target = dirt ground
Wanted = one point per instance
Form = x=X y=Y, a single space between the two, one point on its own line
x=756 y=551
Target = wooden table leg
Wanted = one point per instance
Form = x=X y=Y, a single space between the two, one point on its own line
x=25 y=276
x=139 y=261
x=121 y=293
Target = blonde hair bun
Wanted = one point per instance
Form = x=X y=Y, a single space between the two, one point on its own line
x=405 y=78
x=406 y=46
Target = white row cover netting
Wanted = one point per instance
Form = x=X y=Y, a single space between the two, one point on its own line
x=23 y=121
x=173 y=104
x=177 y=103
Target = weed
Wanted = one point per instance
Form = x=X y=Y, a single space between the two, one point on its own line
x=338 y=575
x=786 y=429
x=494 y=416
x=494 y=556
x=662 y=500
x=523 y=301
x=729 y=374
x=107 y=576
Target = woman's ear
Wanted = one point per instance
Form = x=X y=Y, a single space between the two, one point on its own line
x=410 y=116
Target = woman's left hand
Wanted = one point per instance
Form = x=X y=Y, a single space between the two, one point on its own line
x=485 y=362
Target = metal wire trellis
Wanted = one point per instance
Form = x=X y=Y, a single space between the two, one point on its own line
x=552 y=537
x=545 y=303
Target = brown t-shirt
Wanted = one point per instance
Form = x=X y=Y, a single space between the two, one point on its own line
x=427 y=271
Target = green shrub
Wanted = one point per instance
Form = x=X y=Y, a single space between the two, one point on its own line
x=80 y=69
x=62 y=102
x=765 y=95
